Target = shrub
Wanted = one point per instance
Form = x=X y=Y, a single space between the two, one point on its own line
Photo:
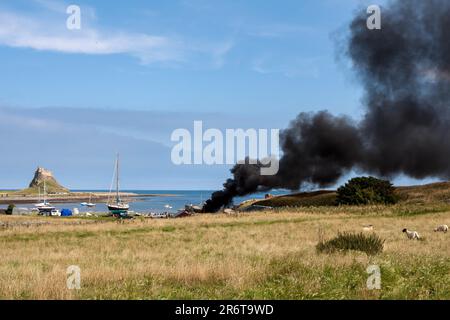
x=366 y=190
x=10 y=209
x=371 y=244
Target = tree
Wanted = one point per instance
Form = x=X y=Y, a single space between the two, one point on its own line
x=366 y=190
x=10 y=209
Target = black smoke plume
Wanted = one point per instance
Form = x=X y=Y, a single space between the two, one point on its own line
x=405 y=72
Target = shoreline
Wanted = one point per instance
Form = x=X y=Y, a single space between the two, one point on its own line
x=100 y=197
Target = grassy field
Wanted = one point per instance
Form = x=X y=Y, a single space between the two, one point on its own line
x=248 y=256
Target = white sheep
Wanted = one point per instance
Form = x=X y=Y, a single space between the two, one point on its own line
x=368 y=228
x=412 y=235
x=441 y=228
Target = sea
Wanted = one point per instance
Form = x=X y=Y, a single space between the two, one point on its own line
x=162 y=201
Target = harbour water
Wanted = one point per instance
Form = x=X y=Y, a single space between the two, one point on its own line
x=163 y=201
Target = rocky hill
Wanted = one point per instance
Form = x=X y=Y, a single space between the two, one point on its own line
x=51 y=184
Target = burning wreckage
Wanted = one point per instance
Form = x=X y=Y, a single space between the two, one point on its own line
x=404 y=69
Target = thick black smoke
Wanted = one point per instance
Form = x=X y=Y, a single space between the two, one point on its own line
x=405 y=71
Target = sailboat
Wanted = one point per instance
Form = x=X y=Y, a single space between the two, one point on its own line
x=88 y=204
x=39 y=204
x=45 y=207
x=117 y=206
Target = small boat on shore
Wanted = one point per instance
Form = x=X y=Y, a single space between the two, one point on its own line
x=45 y=208
x=40 y=204
x=193 y=208
x=117 y=207
x=159 y=215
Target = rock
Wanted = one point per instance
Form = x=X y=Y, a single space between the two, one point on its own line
x=52 y=185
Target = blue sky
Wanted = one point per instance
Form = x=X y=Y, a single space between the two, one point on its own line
x=137 y=70
x=206 y=56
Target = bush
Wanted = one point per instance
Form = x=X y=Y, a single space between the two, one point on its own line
x=370 y=244
x=10 y=209
x=366 y=190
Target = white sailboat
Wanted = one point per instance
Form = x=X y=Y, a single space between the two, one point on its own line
x=88 y=204
x=45 y=207
x=117 y=206
x=39 y=204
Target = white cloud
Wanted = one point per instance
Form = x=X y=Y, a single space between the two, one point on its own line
x=52 y=5
x=291 y=68
x=21 y=121
x=220 y=51
x=49 y=33
x=45 y=30
x=20 y=31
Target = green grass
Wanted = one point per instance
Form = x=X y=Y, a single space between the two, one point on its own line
x=370 y=244
x=289 y=277
x=168 y=229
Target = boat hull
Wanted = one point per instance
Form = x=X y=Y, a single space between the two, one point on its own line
x=119 y=208
x=88 y=204
x=47 y=210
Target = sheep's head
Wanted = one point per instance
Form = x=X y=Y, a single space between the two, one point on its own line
x=404 y=230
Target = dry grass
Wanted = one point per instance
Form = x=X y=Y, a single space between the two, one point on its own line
x=255 y=256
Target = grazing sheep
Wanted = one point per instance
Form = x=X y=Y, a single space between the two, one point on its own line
x=368 y=227
x=441 y=228
x=412 y=235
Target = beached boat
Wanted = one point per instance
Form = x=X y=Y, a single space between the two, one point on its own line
x=159 y=215
x=45 y=207
x=40 y=204
x=192 y=208
x=117 y=207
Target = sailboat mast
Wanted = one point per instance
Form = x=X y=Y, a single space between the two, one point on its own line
x=117 y=180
